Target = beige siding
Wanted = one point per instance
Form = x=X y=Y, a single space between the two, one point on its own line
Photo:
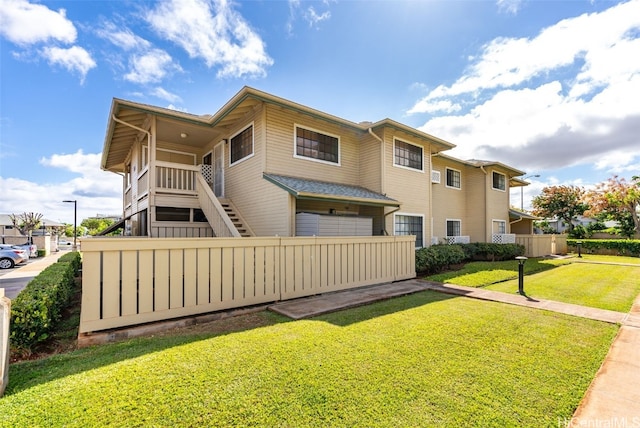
x=280 y=153
x=497 y=202
x=262 y=204
x=370 y=163
x=476 y=192
x=410 y=187
x=449 y=203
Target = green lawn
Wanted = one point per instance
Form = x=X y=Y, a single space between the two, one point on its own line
x=595 y=281
x=422 y=360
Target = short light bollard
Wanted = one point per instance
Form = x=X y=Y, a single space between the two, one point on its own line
x=579 y=245
x=521 y=260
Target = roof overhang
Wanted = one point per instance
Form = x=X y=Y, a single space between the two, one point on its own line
x=521 y=215
x=302 y=188
x=129 y=122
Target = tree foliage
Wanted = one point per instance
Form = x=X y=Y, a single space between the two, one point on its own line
x=26 y=223
x=619 y=200
x=96 y=225
x=564 y=202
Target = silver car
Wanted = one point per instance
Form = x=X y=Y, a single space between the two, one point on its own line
x=9 y=257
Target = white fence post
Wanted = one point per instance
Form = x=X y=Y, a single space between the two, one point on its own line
x=5 y=316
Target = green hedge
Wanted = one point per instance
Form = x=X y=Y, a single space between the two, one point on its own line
x=623 y=247
x=37 y=309
x=485 y=251
x=439 y=257
x=74 y=259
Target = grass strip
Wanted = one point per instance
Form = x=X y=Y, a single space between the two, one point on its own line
x=422 y=360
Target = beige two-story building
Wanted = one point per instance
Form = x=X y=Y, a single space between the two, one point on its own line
x=266 y=166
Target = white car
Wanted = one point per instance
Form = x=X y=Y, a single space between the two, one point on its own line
x=31 y=249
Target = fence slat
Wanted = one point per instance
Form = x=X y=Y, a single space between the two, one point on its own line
x=139 y=280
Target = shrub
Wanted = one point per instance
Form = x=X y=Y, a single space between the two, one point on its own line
x=623 y=247
x=438 y=257
x=74 y=259
x=486 y=251
x=42 y=252
x=39 y=306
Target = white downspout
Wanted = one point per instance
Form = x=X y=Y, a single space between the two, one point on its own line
x=486 y=204
x=431 y=196
x=382 y=175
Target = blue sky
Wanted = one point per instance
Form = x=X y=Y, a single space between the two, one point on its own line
x=550 y=88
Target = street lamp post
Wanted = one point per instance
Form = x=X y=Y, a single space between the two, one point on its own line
x=522 y=191
x=75 y=221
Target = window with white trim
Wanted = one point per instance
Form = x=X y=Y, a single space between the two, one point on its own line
x=317 y=145
x=410 y=225
x=407 y=155
x=453 y=178
x=499 y=181
x=241 y=145
x=500 y=227
x=454 y=227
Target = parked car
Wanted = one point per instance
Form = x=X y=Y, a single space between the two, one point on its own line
x=16 y=248
x=9 y=257
x=31 y=249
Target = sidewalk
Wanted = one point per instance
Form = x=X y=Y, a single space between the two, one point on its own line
x=14 y=281
x=612 y=399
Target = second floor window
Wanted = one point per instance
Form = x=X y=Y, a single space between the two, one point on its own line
x=407 y=155
x=315 y=145
x=242 y=145
x=453 y=178
x=499 y=181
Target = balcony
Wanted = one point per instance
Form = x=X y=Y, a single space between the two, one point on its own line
x=503 y=238
x=456 y=240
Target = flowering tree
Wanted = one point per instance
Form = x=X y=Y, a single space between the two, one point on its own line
x=619 y=200
x=564 y=202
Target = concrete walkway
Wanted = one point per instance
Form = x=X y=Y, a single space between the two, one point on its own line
x=612 y=399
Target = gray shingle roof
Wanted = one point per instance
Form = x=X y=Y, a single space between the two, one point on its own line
x=305 y=188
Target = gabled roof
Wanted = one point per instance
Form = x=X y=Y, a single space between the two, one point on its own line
x=303 y=188
x=476 y=163
x=129 y=120
x=6 y=221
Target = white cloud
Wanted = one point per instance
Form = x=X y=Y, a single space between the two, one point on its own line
x=124 y=38
x=558 y=99
x=150 y=67
x=506 y=62
x=97 y=191
x=509 y=6
x=74 y=59
x=24 y=23
x=306 y=13
x=165 y=95
x=214 y=32
x=27 y=24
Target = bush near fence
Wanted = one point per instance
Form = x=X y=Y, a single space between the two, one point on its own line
x=437 y=258
x=38 y=307
x=616 y=247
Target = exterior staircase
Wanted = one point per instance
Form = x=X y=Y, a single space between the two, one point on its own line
x=235 y=217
